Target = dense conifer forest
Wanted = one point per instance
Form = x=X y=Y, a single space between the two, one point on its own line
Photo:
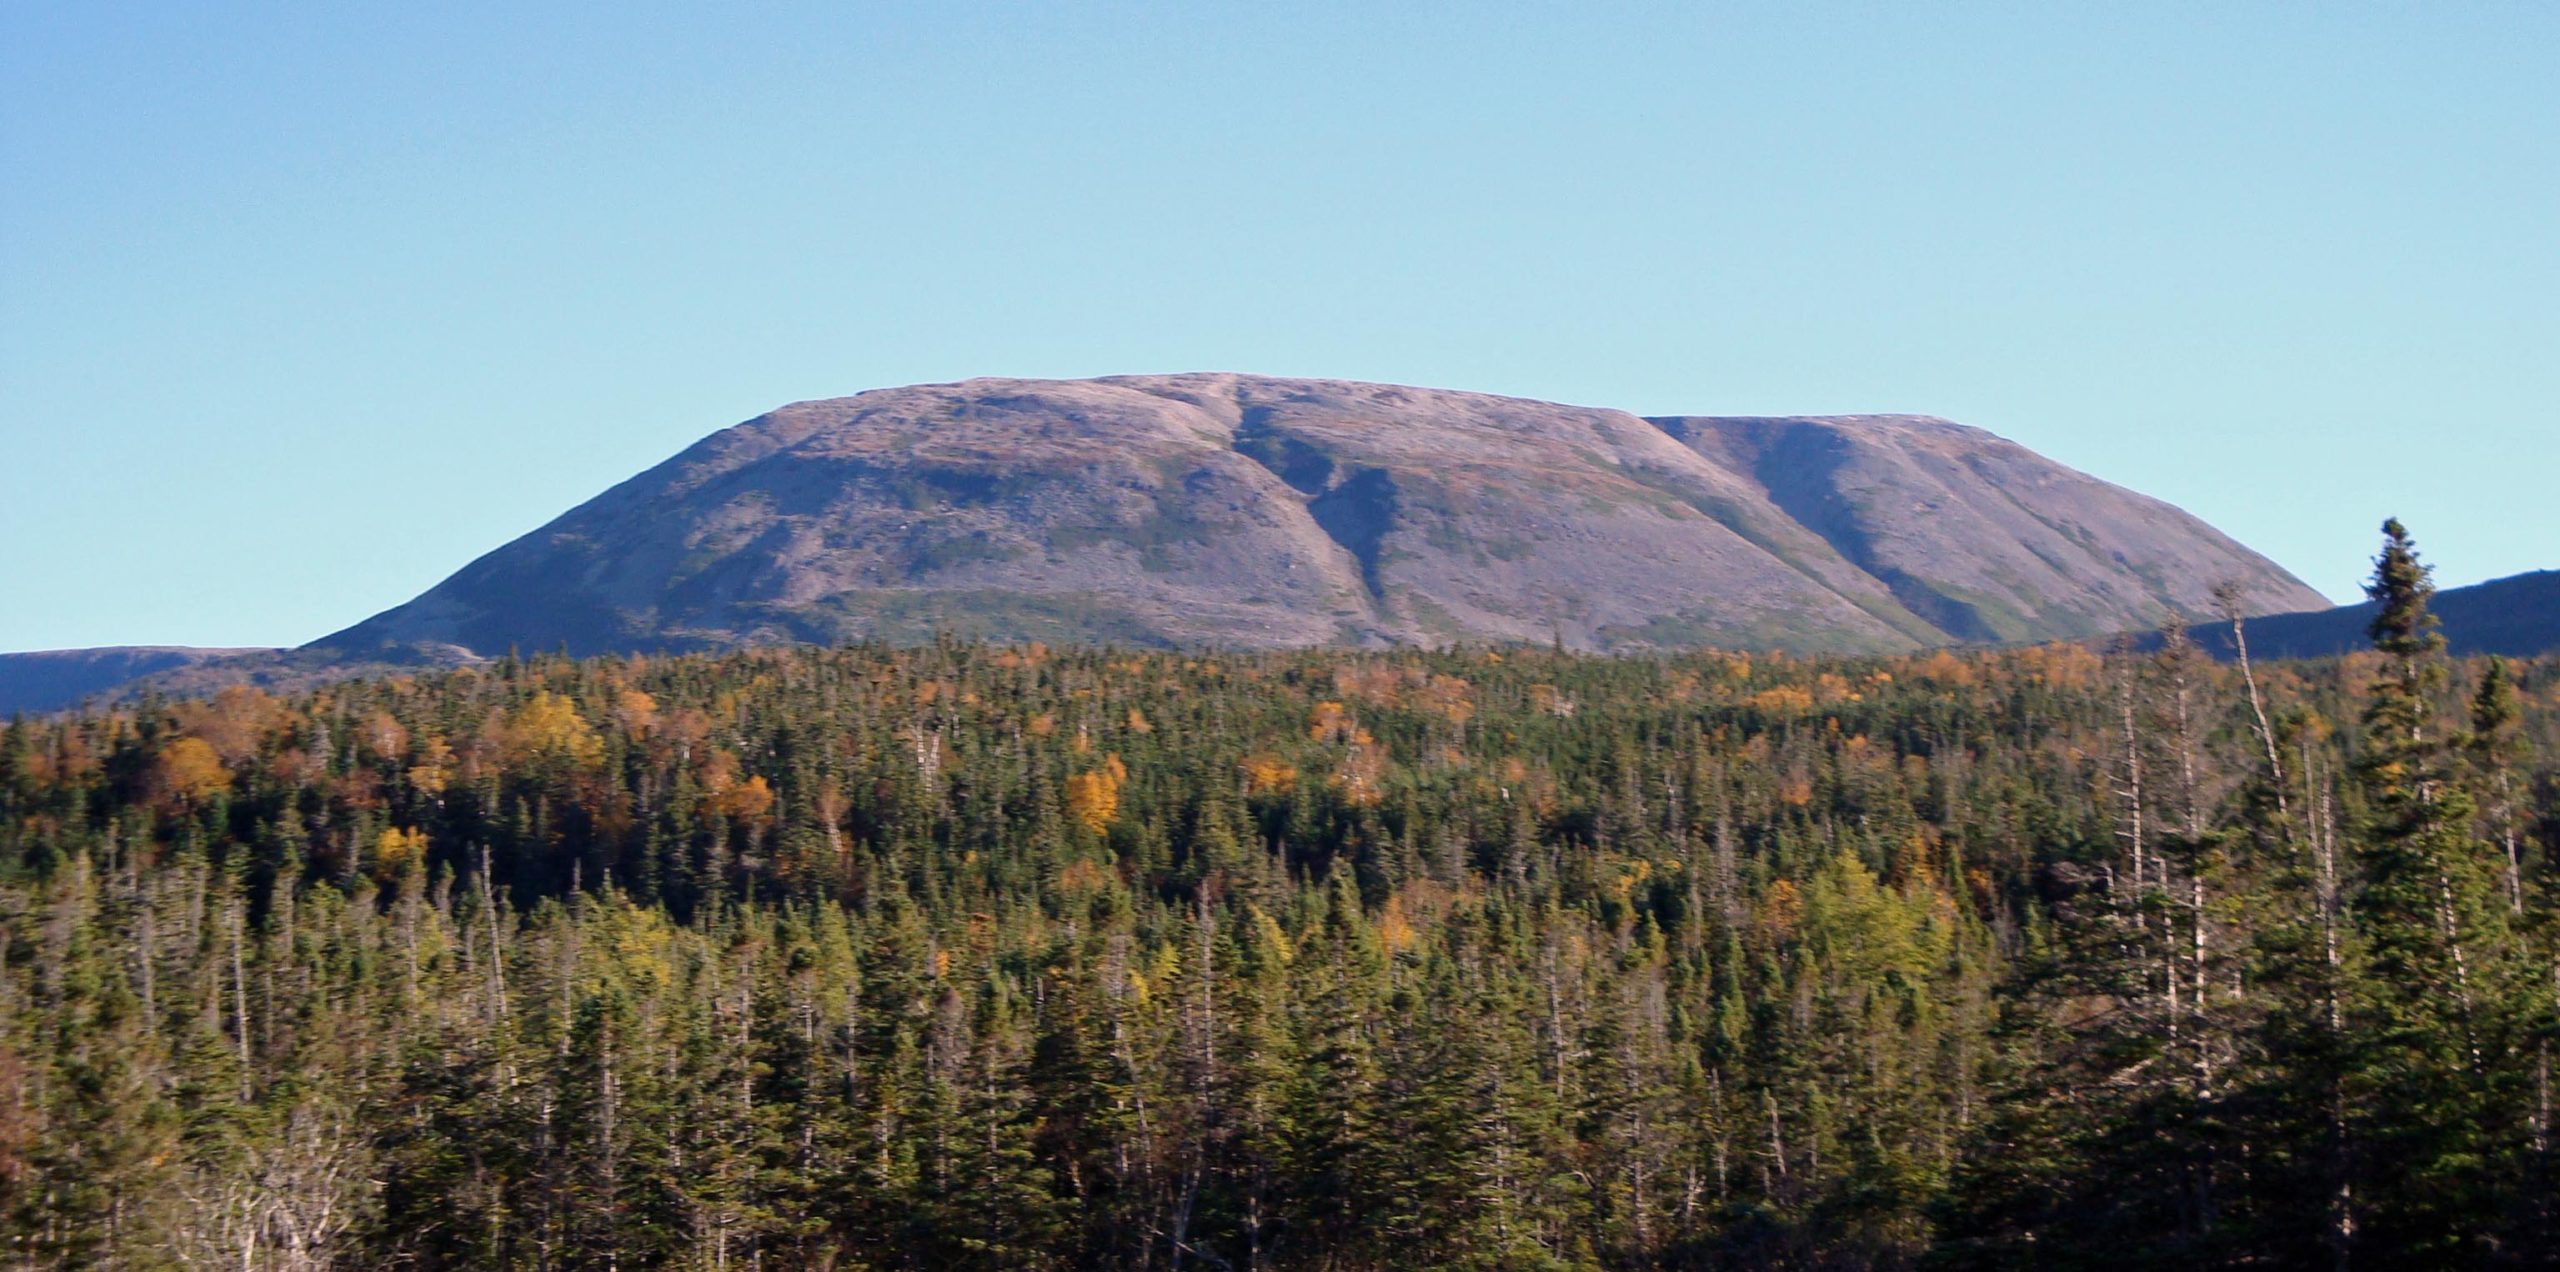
x=965 y=956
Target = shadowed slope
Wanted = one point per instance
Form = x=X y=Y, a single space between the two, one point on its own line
x=49 y=680
x=2515 y=617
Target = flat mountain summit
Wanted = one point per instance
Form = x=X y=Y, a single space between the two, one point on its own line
x=1237 y=510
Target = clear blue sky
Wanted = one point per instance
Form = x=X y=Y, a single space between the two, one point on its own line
x=303 y=306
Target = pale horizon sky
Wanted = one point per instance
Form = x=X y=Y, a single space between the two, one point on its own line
x=305 y=306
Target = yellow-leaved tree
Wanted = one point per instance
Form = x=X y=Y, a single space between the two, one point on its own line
x=547 y=730
x=1093 y=799
x=190 y=771
x=396 y=850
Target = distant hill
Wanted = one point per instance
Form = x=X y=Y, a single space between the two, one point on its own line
x=1232 y=510
x=53 y=680
x=48 y=680
x=2518 y=616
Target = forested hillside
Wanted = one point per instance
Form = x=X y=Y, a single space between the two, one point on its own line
x=970 y=956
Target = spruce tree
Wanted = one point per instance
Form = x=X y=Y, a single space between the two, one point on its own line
x=2431 y=1010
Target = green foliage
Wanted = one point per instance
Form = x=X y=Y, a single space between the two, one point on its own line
x=807 y=958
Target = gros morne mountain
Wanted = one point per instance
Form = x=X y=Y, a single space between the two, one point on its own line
x=1237 y=510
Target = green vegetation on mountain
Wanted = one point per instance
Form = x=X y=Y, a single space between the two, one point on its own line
x=965 y=955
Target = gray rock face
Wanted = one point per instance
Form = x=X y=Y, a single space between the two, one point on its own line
x=1238 y=510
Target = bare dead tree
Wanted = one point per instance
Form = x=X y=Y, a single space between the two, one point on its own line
x=2226 y=595
x=281 y=1206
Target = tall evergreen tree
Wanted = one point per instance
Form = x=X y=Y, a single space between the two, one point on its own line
x=2432 y=1020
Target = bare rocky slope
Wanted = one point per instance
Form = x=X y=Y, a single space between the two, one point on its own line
x=1234 y=510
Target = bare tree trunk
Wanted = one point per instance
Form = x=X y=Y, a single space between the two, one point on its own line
x=1723 y=1144
x=2446 y=920
x=2131 y=792
x=2515 y=871
x=240 y=991
x=1777 y=1143
x=2170 y=978
x=2342 y=1201
x=2542 y=1079
x=497 y=955
x=2178 y=654
x=1727 y=903
x=1555 y=1020
x=2506 y=815
x=2204 y=1054
x=1204 y=1096
x=148 y=954
x=608 y=1163
x=2227 y=595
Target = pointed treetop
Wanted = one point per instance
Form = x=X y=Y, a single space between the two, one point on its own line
x=2494 y=709
x=2402 y=586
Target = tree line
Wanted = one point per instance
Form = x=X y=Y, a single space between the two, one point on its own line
x=975 y=956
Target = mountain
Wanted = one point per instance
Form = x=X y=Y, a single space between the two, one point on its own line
x=48 y=680
x=1217 y=509
x=2518 y=616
